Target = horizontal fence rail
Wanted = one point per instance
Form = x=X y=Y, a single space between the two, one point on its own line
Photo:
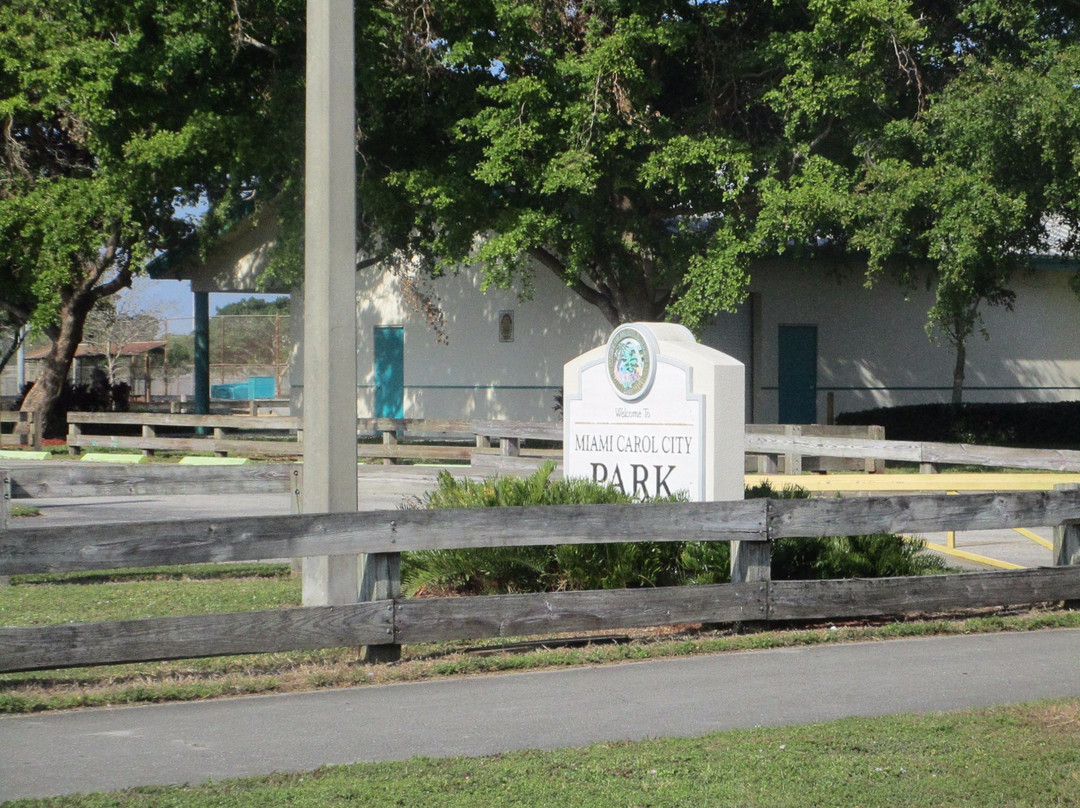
x=444 y=619
x=751 y=523
x=778 y=447
x=196 y=541
x=928 y=453
x=14 y=418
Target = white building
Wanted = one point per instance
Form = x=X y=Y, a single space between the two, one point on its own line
x=805 y=335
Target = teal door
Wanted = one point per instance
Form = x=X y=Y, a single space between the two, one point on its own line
x=389 y=372
x=798 y=374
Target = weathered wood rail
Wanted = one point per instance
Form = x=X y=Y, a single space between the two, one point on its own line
x=11 y=418
x=926 y=454
x=752 y=525
x=494 y=446
x=245 y=434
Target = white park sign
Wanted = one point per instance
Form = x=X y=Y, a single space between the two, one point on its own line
x=654 y=413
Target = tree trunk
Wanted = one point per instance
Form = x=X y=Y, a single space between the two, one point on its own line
x=958 y=372
x=76 y=301
x=55 y=366
x=617 y=305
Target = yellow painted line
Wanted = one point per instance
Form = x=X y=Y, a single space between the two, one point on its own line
x=1035 y=537
x=965 y=481
x=20 y=454
x=978 y=559
x=105 y=457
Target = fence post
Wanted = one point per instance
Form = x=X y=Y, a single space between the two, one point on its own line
x=752 y=560
x=5 y=513
x=219 y=434
x=380 y=579
x=148 y=432
x=1067 y=543
x=389 y=439
x=74 y=431
x=767 y=464
x=792 y=461
x=875 y=466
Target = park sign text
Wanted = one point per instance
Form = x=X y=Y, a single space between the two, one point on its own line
x=653 y=413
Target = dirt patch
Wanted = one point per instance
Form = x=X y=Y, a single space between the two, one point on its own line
x=1056 y=719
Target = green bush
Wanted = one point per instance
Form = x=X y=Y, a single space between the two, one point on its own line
x=877 y=555
x=1046 y=424
x=496 y=570
x=501 y=570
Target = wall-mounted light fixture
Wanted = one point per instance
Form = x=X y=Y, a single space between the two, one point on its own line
x=506 y=326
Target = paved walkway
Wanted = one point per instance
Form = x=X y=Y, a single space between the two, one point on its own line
x=108 y=749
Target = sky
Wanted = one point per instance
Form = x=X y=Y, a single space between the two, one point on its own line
x=173 y=300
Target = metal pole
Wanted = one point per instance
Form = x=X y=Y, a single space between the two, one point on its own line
x=202 y=353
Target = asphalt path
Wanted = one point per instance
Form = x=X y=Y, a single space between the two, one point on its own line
x=109 y=749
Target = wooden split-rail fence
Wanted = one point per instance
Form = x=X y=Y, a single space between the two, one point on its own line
x=750 y=525
x=9 y=422
x=496 y=446
x=282 y=435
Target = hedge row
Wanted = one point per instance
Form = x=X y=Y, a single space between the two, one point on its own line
x=1045 y=424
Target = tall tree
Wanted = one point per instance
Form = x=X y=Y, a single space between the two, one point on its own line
x=957 y=190
x=111 y=115
x=646 y=150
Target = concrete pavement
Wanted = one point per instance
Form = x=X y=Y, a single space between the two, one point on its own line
x=108 y=749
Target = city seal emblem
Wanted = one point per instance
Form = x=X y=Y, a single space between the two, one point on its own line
x=631 y=361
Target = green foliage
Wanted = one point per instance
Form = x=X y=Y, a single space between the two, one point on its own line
x=647 y=153
x=115 y=114
x=877 y=555
x=533 y=569
x=627 y=565
x=256 y=305
x=1039 y=423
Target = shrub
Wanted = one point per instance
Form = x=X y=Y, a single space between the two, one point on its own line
x=100 y=397
x=535 y=569
x=498 y=570
x=1028 y=424
x=877 y=555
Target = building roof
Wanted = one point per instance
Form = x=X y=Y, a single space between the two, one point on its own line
x=85 y=350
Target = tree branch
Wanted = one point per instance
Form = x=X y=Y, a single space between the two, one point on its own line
x=593 y=297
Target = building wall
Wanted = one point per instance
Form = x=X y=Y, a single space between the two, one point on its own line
x=872 y=344
x=472 y=375
x=874 y=349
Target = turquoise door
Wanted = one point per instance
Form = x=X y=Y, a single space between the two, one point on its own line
x=798 y=374
x=389 y=372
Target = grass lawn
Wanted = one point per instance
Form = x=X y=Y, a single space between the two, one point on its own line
x=1026 y=756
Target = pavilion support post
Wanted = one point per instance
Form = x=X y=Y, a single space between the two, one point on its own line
x=202 y=353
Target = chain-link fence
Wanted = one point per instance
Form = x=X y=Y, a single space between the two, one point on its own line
x=242 y=347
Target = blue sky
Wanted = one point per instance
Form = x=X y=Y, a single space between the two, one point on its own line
x=173 y=299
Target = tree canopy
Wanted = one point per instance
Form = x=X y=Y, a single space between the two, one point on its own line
x=644 y=151
x=255 y=305
x=112 y=115
x=647 y=150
